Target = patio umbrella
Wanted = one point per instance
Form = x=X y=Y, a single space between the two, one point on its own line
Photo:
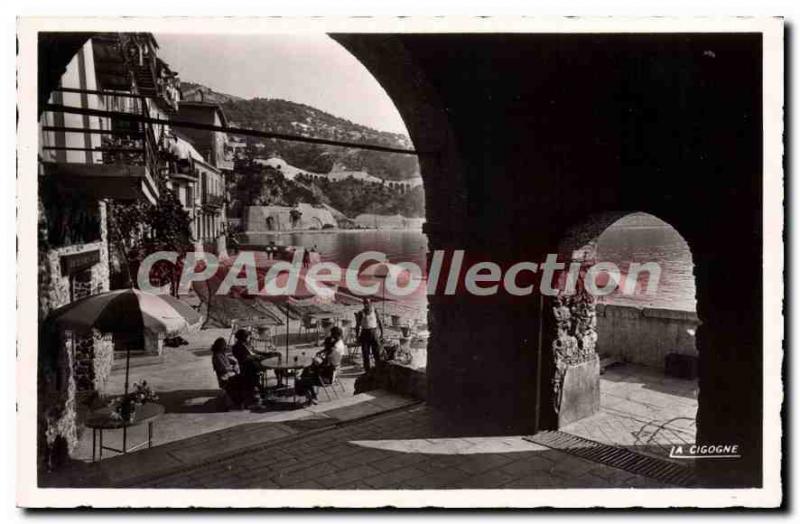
x=307 y=287
x=126 y=311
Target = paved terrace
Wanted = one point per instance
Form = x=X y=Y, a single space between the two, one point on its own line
x=185 y=382
x=643 y=410
x=410 y=447
x=372 y=440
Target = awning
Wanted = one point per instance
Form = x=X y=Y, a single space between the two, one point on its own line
x=184 y=149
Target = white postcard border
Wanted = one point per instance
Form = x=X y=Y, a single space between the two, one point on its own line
x=29 y=495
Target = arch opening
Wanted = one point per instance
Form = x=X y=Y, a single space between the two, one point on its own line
x=638 y=342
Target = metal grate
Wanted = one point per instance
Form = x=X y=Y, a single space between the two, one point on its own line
x=621 y=458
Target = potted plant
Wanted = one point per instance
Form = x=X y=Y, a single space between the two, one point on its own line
x=124 y=407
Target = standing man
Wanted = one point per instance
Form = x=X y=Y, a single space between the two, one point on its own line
x=369 y=331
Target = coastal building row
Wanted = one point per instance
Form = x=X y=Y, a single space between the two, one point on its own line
x=106 y=139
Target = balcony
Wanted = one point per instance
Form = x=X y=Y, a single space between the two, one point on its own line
x=212 y=202
x=123 y=60
x=103 y=157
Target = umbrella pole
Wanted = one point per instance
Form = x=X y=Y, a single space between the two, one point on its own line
x=287 y=333
x=127 y=367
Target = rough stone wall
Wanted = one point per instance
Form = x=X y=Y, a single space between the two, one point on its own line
x=62 y=364
x=315 y=217
x=645 y=335
x=93 y=358
x=575 y=337
x=56 y=401
x=54 y=288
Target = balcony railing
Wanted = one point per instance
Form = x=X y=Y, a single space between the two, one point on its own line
x=213 y=201
x=107 y=141
x=135 y=54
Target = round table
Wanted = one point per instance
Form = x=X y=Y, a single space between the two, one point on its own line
x=293 y=364
x=102 y=419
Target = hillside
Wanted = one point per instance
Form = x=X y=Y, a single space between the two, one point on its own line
x=257 y=185
x=283 y=116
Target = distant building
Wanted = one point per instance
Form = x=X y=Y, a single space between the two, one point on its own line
x=363 y=176
x=205 y=197
x=285 y=218
x=288 y=171
x=340 y=172
x=409 y=183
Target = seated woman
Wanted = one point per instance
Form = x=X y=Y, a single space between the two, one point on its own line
x=227 y=369
x=323 y=367
x=250 y=360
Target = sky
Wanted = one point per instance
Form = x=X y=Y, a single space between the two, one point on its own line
x=306 y=68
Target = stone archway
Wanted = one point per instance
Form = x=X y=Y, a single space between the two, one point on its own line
x=570 y=373
x=577 y=324
x=446 y=206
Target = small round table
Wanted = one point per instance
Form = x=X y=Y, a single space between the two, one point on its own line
x=279 y=364
x=102 y=419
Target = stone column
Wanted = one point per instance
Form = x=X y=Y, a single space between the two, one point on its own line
x=729 y=344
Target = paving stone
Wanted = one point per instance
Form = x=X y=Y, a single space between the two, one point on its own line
x=355 y=411
x=485 y=480
x=347 y=475
x=125 y=468
x=481 y=462
x=308 y=473
x=534 y=482
x=396 y=461
x=528 y=466
x=364 y=456
x=571 y=467
x=440 y=479
x=394 y=477
x=203 y=451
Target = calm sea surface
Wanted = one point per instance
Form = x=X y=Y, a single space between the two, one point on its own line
x=640 y=239
x=651 y=240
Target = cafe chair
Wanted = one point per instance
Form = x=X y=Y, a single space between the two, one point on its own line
x=353 y=346
x=330 y=387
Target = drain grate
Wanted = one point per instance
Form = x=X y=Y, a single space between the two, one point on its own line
x=621 y=458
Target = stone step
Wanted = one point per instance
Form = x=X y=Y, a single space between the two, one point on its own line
x=607 y=361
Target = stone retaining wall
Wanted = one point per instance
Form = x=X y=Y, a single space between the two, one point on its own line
x=645 y=335
x=399 y=379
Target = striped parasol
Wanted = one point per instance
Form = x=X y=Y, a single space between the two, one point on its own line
x=127 y=311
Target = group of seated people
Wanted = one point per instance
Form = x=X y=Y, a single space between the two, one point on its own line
x=239 y=373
